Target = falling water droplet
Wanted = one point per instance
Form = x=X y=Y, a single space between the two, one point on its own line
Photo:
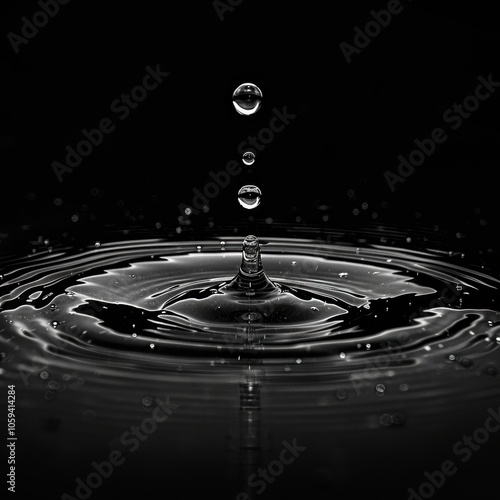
x=249 y=196
x=44 y=375
x=54 y=324
x=247 y=99
x=343 y=275
x=342 y=355
x=298 y=361
x=248 y=158
x=222 y=245
x=198 y=248
x=380 y=389
x=152 y=346
x=287 y=368
x=97 y=244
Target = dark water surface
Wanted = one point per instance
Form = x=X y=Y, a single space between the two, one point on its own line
x=382 y=360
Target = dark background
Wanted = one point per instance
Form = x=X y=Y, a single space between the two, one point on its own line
x=353 y=119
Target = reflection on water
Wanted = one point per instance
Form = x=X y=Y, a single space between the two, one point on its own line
x=375 y=359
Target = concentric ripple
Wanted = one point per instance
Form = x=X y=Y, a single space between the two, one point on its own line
x=155 y=301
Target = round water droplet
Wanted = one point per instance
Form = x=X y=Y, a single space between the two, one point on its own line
x=152 y=346
x=398 y=418
x=466 y=362
x=287 y=368
x=53 y=384
x=403 y=387
x=298 y=361
x=247 y=99
x=248 y=158
x=44 y=375
x=97 y=244
x=249 y=196
x=452 y=357
x=386 y=420
x=491 y=371
x=380 y=389
x=147 y=401
x=342 y=355
x=198 y=248
x=52 y=306
x=54 y=324
x=341 y=394
x=134 y=335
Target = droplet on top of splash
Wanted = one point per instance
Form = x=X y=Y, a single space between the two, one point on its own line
x=247 y=99
x=249 y=196
x=248 y=158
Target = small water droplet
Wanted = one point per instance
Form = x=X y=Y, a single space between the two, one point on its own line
x=249 y=196
x=403 y=387
x=134 y=335
x=368 y=346
x=198 y=248
x=152 y=346
x=491 y=371
x=452 y=357
x=50 y=396
x=248 y=158
x=466 y=362
x=341 y=394
x=459 y=287
x=53 y=306
x=247 y=99
x=380 y=389
x=54 y=324
x=222 y=245
x=147 y=401
x=398 y=418
x=44 y=375
x=427 y=348
x=342 y=355
x=343 y=275
x=298 y=361
x=53 y=384
x=287 y=368
x=386 y=420
x=97 y=244
x=315 y=309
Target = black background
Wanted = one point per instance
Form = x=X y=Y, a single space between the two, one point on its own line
x=353 y=120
